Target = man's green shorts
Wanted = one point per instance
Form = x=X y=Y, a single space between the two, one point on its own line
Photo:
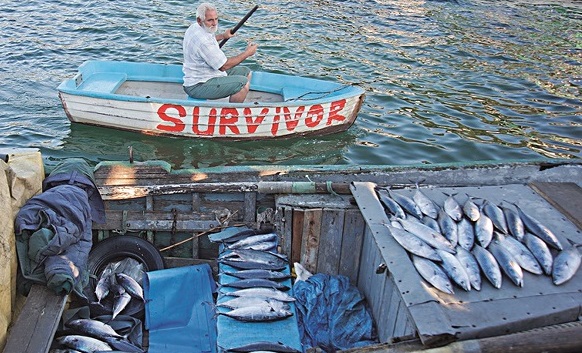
x=220 y=87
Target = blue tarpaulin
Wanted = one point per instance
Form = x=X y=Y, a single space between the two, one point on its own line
x=180 y=310
x=332 y=314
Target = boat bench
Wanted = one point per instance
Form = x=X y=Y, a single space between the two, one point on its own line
x=34 y=330
x=103 y=82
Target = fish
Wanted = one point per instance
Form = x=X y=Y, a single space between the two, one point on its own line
x=521 y=254
x=433 y=274
x=431 y=222
x=257 y=314
x=263 y=346
x=122 y=345
x=466 y=233
x=540 y=250
x=488 y=265
x=120 y=300
x=255 y=282
x=507 y=263
x=241 y=302
x=93 y=328
x=389 y=203
x=497 y=217
x=565 y=266
x=234 y=237
x=427 y=234
x=253 y=240
x=514 y=222
x=104 y=284
x=455 y=270
x=470 y=265
x=448 y=227
x=413 y=244
x=471 y=210
x=425 y=204
x=253 y=265
x=258 y=273
x=130 y=285
x=452 y=208
x=262 y=292
x=407 y=204
x=484 y=230
x=537 y=228
x=84 y=343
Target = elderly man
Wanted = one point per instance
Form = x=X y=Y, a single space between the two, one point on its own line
x=208 y=73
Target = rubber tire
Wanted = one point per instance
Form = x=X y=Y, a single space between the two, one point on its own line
x=114 y=249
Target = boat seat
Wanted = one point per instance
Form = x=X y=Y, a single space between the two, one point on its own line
x=103 y=82
x=292 y=92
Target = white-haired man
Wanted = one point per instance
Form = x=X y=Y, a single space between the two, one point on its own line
x=208 y=73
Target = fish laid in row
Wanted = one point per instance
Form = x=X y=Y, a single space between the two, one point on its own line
x=479 y=238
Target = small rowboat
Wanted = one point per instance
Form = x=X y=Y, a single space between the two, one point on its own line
x=149 y=98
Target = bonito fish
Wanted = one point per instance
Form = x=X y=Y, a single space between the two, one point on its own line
x=426 y=233
x=455 y=270
x=507 y=263
x=566 y=265
x=424 y=203
x=537 y=228
x=413 y=244
x=488 y=265
x=433 y=274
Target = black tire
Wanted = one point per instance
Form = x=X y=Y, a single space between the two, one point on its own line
x=115 y=249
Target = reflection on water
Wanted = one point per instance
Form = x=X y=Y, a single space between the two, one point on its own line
x=445 y=81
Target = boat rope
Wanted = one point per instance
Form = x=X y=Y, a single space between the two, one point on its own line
x=321 y=94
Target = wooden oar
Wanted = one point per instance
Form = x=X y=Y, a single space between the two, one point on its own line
x=239 y=24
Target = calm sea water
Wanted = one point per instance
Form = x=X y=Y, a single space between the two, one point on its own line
x=462 y=81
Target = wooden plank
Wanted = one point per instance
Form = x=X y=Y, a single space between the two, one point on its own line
x=156 y=220
x=310 y=241
x=382 y=327
x=250 y=207
x=565 y=197
x=286 y=230
x=330 y=241
x=35 y=328
x=353 y=237
x=297 y=235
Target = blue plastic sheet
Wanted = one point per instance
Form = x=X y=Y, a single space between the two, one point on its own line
x=332 y=314
x=180 y=311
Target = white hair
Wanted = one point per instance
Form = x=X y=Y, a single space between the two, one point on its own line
x=202 y=8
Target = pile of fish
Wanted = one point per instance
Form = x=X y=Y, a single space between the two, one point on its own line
x=89 y=335
x=257 y=292
x=463 y=241
x=117 y=288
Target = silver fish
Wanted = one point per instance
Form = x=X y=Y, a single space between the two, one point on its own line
x=433 y=274
x=263 y=346
x=84 y=343
x=424 y=203
x=484 y=230
x=434 y=239
x=496 y=214
x=470 y=265
x=120 y=301
x=241 y=302
x=130 y=285
x=389 y=203
x=253 y=265
x=514 y=223
x=471 y=210
x=488 y=265
x=521 y=254
x=252 y=240
x=257 y=314
x=466 y=233
x=104 y=284
x=257 y=273
x=537 y=228
x=407 y=204
x=507 y=263
x=413 y=244
x=93 y=328
x=455 y=270
x=262 y=292
x=448 y=227
x=452 y=208
x=255 y=282
x=566 y=265
x=431 y=222
x=540 y=250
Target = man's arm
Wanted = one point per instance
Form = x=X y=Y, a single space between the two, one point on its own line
x=235 y=60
